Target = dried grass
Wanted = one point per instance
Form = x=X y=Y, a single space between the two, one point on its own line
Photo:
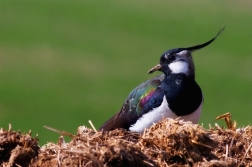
x=168 y=143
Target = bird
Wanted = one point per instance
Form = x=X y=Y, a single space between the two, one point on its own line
x=174 y=94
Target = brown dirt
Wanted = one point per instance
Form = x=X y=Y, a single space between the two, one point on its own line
x=168 y=143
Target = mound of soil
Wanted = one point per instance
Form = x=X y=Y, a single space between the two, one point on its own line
x=17 y=149
x=168 y=143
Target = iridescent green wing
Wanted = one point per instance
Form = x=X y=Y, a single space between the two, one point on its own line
x=133 y=106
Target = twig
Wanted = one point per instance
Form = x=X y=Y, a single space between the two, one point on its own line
x=58 y=158
x=223 y=116
x=185 y=158
x=148 y=163
x=30 y=132
x=75 y=151
x=62 y=142
x=18 y=165
x=10 y=128
x=90 y=122
x=60 y=132
x=89 y=162
x=245 y=153
x=230 y=147
x=144 y=133
x=189 y=157
x=218 y=127
x=226 y=151
x=201 y=144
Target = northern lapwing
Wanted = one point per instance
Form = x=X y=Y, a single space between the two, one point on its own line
x=173 y=94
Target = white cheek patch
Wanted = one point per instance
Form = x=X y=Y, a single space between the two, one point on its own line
x=179 y=67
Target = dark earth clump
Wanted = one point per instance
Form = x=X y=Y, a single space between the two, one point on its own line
x=17 y=149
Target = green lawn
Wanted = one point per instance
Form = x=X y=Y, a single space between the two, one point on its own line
x=65 y=62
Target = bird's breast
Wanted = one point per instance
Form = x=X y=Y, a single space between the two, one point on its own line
x=161 y=112
x=183 y=94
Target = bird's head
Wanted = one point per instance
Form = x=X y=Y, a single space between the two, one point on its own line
x=180 y=60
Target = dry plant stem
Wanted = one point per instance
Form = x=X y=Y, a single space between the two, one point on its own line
x=226 y=151
x=60 y=132
x=188 y=154
x=144 y=133
x=245 y=153
x=223 y=116
x=90 y=122
x=18 y=165
x=195 y=142
x=87 y=163
x=230 y=146
x=58 y=158
x=227 y=117
x=10 y=127
x=148 y=163
x=217 y=126
x=75 y=151
x=62 y=142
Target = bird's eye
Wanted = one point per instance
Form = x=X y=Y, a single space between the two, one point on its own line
x=168 y=58
x=171 y=57
x=164 y=59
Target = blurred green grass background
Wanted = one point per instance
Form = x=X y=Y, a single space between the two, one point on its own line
x=65 y=62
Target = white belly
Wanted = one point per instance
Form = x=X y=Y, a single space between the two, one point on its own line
x=163 y=111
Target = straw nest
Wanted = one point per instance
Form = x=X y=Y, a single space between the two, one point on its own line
x=168 y=143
